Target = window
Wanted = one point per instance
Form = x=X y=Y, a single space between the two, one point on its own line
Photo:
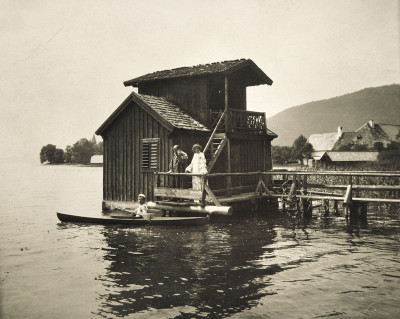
x=150 y=153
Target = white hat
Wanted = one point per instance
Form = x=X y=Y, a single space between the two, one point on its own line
x=142 y=195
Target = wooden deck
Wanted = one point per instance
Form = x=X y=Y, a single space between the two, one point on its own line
x=299 y=184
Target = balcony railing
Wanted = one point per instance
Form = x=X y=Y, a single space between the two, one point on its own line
x=239 y=121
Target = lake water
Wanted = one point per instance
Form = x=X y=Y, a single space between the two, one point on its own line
x=267 y=265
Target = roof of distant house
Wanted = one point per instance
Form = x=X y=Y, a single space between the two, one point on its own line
x=323 y=142
x=96 y=159
x=392 y=131
x=224 y=68
x=346 y=139
x=316 y=155
x=352 y=156
x=368 y=134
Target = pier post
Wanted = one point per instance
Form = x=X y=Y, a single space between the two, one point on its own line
x=363 y=213
x=307 y=203
x=292 y=198
x=326 y=207
x=336 y=208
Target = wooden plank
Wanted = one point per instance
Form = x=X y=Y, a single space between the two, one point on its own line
x=106 y=163
x=114 y=166
x=211 y=194
x=129 y=155
x=228 y=178
x=237 y=198
x=308 y=197
x=136 y=153
x=335 y=173
x=178 y=193
x=140 y=131
x=110 y=166
x=358 y=187
x=120 y=159
x=124 y=153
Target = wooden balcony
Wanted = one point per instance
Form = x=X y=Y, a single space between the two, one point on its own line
x=239 y=121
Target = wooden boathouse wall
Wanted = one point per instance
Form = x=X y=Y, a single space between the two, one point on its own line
x=197 y=96
x=123 y=175
x=251 y=155
x=189 y=94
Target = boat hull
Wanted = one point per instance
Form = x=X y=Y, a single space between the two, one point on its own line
x=155 y=221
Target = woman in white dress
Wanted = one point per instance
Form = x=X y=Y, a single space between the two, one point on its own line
x=197 y=166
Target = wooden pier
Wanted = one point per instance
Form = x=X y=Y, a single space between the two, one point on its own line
x=295 y=189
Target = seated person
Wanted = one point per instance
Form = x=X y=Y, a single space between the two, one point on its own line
x=141 y=211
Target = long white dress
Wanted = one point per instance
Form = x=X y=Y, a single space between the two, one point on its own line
x=197 y=166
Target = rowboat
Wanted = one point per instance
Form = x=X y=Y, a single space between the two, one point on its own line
x=114 y=219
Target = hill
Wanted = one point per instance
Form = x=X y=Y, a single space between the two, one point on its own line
x=351 y=111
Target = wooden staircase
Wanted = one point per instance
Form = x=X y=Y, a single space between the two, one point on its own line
x=215 y=144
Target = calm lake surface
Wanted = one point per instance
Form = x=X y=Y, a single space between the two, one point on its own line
x=263 y=266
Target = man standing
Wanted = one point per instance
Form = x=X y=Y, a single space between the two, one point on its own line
x=177 y=165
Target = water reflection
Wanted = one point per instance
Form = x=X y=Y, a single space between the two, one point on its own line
x=205 y=271
x=228 y=267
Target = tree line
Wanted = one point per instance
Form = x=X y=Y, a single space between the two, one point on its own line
x=78 y=153
x=292 y=154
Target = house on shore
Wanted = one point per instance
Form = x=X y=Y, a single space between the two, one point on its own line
x=96 y=160
x=349 y=149
x=203 y=104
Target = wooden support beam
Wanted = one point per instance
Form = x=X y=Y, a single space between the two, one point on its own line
x=356 y=182
x=292 y=191
x=266 y=188
x=226 y=105
x=229 y=178
x=203 y=190
x=211 y=194
x=347 y=200
x=259 y=185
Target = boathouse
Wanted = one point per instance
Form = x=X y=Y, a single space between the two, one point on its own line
x=203 y=104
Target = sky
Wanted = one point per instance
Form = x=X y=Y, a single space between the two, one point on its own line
x=63 y=63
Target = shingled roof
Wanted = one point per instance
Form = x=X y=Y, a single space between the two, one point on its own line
x=165 y=112
x=224 y=67
x=171 y=113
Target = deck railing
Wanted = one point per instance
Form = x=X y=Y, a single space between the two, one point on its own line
x=240 y=121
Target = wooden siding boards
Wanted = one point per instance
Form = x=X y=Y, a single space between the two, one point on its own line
x=124 y=175
x=136 y=151
x=189 y=94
